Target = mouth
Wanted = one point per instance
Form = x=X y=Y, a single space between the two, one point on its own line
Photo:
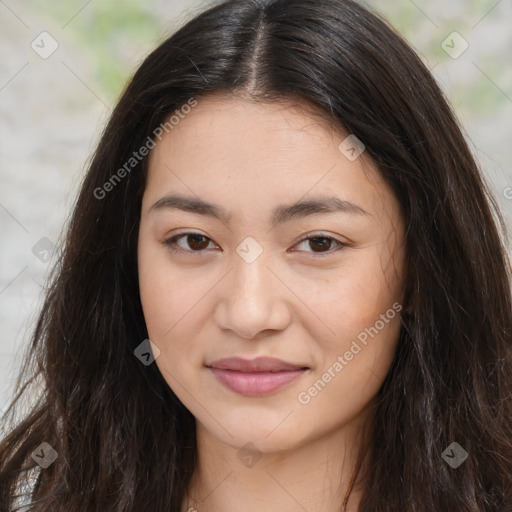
x=255 y=377
x=259 y=364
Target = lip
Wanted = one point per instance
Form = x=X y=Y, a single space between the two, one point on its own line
x=255 y=377
x=259 y=364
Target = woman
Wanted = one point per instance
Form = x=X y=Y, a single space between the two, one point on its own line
x=283 y=287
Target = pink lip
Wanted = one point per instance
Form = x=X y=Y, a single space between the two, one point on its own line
x=259 y=364
x=255 y=377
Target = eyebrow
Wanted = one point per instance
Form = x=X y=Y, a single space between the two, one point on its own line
x=281 y=214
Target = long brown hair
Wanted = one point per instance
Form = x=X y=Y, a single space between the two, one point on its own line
x=123 y=440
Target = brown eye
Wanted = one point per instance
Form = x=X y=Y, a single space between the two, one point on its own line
x=321 y=245
x=194 y=243
x=197 y=242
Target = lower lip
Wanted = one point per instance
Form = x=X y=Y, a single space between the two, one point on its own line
x=255 y=383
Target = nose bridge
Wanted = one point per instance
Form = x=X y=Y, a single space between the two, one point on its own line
x=251 y=278
x=252 y=299
x=250 y=270
x=252 y=288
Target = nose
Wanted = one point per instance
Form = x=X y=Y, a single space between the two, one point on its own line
x=252 y=300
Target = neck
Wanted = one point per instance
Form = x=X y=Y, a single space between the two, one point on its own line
x=314 y=477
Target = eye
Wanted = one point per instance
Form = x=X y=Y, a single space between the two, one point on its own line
x=323 y=243
x=197 y=243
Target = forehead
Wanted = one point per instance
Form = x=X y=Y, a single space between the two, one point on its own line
x=218 y=122
x=230 y=149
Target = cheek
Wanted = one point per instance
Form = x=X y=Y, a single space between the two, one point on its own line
x=353 y=297
x=171 y=306
x=359 y=308
x=169 y=298
x=356 y=359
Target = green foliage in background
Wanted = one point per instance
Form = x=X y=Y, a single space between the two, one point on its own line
x=109 y=33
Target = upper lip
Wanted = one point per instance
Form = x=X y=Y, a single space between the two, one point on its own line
x=259 y=364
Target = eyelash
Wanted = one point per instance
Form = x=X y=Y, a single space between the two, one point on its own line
x=171 y=244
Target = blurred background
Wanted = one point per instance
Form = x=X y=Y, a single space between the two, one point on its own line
x=64 y=65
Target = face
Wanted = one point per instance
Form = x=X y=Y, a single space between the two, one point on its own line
x=318 y=287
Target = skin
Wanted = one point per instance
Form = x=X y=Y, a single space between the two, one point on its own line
x=287 y=303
